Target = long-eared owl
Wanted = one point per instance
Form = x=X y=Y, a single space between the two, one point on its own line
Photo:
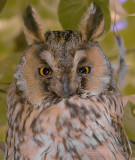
x=63 y=103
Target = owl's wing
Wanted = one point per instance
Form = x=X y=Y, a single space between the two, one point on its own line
x=113 y=101
x=14 y=109
x=109 y=111
x=121 y=135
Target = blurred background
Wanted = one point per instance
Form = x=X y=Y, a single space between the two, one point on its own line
x=56 y=15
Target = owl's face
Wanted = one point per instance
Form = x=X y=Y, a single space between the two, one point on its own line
x=62 y=64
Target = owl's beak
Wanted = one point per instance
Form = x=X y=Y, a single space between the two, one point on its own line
x=65 y=86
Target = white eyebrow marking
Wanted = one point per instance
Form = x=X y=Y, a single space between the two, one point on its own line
x=78 y=56
x=48 y=57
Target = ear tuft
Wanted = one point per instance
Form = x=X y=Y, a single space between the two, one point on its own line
x=92 y=24
x=33 y=27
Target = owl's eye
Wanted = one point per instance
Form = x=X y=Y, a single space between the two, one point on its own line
x=84 y=70
x=44 y=71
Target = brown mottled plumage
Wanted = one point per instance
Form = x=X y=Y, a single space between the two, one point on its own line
x=67 y=114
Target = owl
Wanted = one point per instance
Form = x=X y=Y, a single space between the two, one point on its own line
x=63 y=103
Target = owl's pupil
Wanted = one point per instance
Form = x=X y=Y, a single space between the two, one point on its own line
x=84 y=70
x=46 y=71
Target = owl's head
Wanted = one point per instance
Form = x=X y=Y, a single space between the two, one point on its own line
x=61 y=64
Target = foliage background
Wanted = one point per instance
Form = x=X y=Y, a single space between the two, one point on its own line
x=13 y=44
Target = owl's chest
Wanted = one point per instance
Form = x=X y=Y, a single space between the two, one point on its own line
x=67 y=131
x=61 y=136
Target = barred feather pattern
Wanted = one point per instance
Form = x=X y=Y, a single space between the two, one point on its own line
x=73 y=129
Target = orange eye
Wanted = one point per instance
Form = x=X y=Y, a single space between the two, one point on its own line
x=44 y=71
x=84 y=70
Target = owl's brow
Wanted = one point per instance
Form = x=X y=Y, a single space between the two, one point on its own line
x=47 y=57
x=82 y=60
x=79 y=56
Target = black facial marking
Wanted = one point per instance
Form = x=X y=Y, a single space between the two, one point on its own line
x=46 y=86
x=83 y=82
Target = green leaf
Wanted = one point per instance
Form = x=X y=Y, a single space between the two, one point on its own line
x=70 y=12
x=128 y=120
x=2 y=4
